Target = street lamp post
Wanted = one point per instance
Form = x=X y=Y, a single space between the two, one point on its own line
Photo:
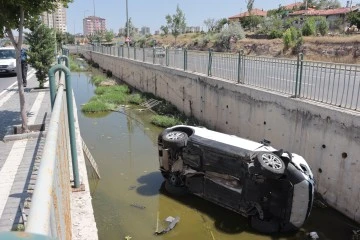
x=127 y=24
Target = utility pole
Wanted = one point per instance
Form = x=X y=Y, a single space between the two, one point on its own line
x=306 y=4
x=127 y=24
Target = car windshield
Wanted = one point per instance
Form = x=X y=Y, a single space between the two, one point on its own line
x=7 y=53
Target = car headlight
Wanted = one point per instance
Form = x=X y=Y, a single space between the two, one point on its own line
x=12 y=65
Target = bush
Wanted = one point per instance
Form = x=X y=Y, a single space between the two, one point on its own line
x=276 y=33
x=164 y=121
x=234 y=29
x=135 y=99
x=309 y=27
x=292 y=38
x=97 y=79
x=95 y=106
x=322 y=27
x=287 y=38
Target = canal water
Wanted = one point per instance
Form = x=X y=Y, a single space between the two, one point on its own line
x=129 y=199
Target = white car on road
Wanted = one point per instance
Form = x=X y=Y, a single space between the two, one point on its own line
x=7 y=60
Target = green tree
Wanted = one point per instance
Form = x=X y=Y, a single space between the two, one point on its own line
x=131 y=28
x=165 y=30
x=324 y=4
x=309 y=27
x=251 y=22
x=176 y=23
x=210 y=23
x=354 y=19
x=220 y=24
x=60 y=39
x=109 y=35
x=41 y=42
x=322 y=26
x=69 y=38
x=91 y=38
x=98 y=36
x=249 y=5
x=15 y=15
x=234 y=29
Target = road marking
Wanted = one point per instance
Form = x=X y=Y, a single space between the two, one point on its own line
x=14 y=159
x=8 y=96
x=9 y=87
x=9 y=170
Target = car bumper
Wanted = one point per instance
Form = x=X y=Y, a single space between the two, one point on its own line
x=7 y=70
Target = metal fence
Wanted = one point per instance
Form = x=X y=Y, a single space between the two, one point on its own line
x=330 y=83
x=50 y=213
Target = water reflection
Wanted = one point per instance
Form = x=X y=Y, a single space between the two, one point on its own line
x=124 y=145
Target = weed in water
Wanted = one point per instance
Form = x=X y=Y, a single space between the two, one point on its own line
x=97 y=106
x=135 y=99
x=164 y=121
x=97 y=79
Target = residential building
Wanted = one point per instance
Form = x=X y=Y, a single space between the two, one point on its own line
x=254 y=12
x=145 y=30
x=335 y=17
x=56 y=19
x=193 y=29
x=93 y=24
x=157 y=32
x=293 y=6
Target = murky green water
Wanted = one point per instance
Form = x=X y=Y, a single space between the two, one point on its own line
x=124 y=146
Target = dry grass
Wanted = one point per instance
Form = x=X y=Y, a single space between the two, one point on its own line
x=336 y=39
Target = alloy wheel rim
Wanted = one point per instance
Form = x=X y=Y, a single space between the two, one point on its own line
x=272 y=161
x=174 y=135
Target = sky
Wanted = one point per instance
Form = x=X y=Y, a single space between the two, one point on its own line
x=152 y=13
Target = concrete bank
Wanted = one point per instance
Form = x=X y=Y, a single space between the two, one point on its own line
x=328 y=137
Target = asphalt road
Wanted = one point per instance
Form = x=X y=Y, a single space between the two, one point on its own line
x=6 y=81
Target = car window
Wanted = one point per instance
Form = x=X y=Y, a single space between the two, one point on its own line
x=7 y=54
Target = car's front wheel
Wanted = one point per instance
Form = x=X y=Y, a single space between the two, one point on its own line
x=269 y=164
x=175 y=139
x=175 y=190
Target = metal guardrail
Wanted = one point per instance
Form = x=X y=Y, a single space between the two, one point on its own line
x=50 y=209
x=330 y=83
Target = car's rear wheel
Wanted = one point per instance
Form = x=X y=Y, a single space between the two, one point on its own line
x=269 y=164
x=174 y=139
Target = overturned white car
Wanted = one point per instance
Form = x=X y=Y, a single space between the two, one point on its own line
x=274 y=188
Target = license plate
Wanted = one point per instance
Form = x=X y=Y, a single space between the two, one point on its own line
x=2 y=70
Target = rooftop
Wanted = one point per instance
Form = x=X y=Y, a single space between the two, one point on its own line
x=255 y=12
x=325 y=12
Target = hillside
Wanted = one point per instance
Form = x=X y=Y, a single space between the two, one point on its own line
x=344 y=49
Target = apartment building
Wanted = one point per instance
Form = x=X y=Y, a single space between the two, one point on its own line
x=93 y=24
x=56 y=19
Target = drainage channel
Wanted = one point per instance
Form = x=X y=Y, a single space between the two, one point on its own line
x=129 y=200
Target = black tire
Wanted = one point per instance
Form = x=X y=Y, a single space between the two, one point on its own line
x=269 y=164
x=175 y=190
x=174 y=139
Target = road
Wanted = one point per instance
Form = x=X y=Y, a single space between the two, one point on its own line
x=6 y=81
x=330 y=83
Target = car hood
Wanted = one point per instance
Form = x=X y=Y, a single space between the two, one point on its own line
x=7 y=61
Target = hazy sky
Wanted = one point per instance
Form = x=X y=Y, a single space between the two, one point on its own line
x=152 y=13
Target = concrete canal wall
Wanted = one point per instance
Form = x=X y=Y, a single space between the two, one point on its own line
x=327 y=137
